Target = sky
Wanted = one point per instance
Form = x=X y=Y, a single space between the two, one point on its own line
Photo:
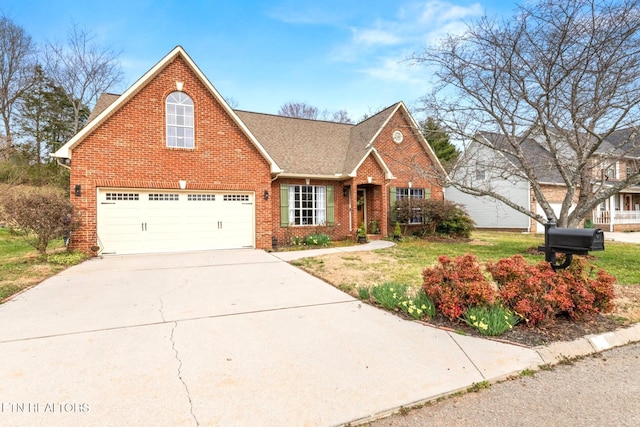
x=261 y=54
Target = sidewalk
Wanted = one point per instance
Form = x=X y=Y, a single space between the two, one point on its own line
x=293 y=255
x=631 y=237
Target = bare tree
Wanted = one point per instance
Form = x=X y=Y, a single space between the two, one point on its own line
x=552 y=91
x=82 y=69
x=17 y=59
x=341 y=116
x=299 y=110
x=302 y=110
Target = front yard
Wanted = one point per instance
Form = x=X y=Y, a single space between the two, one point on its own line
x=405 y=262
x=21 y=266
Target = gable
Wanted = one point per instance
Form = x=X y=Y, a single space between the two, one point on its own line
x=131 y=142
x=190 y=70
x=412 y=156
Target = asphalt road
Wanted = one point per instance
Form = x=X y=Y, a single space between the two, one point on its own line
x=598 y=390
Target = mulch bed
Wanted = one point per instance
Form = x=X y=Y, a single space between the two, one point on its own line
x=563 y=329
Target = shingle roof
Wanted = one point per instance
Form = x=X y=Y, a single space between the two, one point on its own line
x=623 y=142
x=537 y=156
x=299 y=145
x=303 y=146
x=103 y=103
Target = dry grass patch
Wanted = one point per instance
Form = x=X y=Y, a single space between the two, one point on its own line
x=627 y=302
x=356 y=269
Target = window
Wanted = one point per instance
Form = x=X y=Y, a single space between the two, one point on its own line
x=480 y=175
x=411 y=193
x=155 y=197
x=610 y=171
x=179 y=120
x=201 y=197
x=122 y=196
x=307 y=205
x=235 y=198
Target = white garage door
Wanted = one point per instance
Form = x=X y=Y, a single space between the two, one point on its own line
x=141 y=221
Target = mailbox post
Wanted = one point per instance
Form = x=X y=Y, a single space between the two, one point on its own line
x=569 y=241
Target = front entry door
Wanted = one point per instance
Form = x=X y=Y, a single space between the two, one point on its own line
x=362 y=207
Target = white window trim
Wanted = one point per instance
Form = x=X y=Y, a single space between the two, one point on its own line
x=319 y=215
x=178 y=99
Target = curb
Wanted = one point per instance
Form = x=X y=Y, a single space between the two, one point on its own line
x=590 y=344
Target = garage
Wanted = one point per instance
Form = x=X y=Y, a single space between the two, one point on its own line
x=143 y=221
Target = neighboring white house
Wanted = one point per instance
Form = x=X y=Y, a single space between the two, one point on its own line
x=481 y=167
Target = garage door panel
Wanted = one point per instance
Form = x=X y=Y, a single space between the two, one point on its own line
x=165 y=221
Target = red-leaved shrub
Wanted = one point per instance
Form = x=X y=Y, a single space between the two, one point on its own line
x=539 y=294
x=455 y=285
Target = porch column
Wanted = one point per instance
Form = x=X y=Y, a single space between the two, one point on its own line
x=612 y=211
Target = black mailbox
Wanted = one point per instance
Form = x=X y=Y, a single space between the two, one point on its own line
x=569 y=241
x=575 y=240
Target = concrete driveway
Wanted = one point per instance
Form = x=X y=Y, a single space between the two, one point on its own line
x=221 y=338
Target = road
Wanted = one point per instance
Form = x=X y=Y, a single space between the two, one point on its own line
x=601 y=389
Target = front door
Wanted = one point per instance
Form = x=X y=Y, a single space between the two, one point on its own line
x=362 y=207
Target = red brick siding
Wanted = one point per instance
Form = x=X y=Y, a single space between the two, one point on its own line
x=408 y=161
x=129 y=150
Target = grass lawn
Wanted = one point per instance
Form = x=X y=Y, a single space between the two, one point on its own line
x=404 y=262
x=21 y=267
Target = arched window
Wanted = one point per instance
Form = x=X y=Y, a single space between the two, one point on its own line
x=179 y=120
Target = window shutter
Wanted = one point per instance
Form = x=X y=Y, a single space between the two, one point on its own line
x=330 y=206
x=393 y=214
x=284 y=205
x=426 y=193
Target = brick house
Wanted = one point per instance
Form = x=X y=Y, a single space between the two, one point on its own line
x=615 y=158
x=169 y=166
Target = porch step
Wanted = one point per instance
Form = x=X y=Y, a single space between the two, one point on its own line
x=374 y=236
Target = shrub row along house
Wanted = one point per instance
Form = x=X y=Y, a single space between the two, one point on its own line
x=485 y=168
x=169 y=166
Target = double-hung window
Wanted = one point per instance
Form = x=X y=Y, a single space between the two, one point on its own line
x=306 y=205
x=411 y=193
x=179 y=112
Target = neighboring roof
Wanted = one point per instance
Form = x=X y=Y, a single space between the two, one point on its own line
x=105 y=100
x=623 y=143
x=541 y=160
x=111 y=105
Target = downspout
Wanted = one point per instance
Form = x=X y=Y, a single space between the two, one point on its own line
x=350 y=211
x=64 y=162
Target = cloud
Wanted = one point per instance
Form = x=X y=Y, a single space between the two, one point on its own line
x=381 y=47
x=375 y=36
x=327 y=12
x=439 y=12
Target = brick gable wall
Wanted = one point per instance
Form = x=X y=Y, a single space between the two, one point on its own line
x=129 y=150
